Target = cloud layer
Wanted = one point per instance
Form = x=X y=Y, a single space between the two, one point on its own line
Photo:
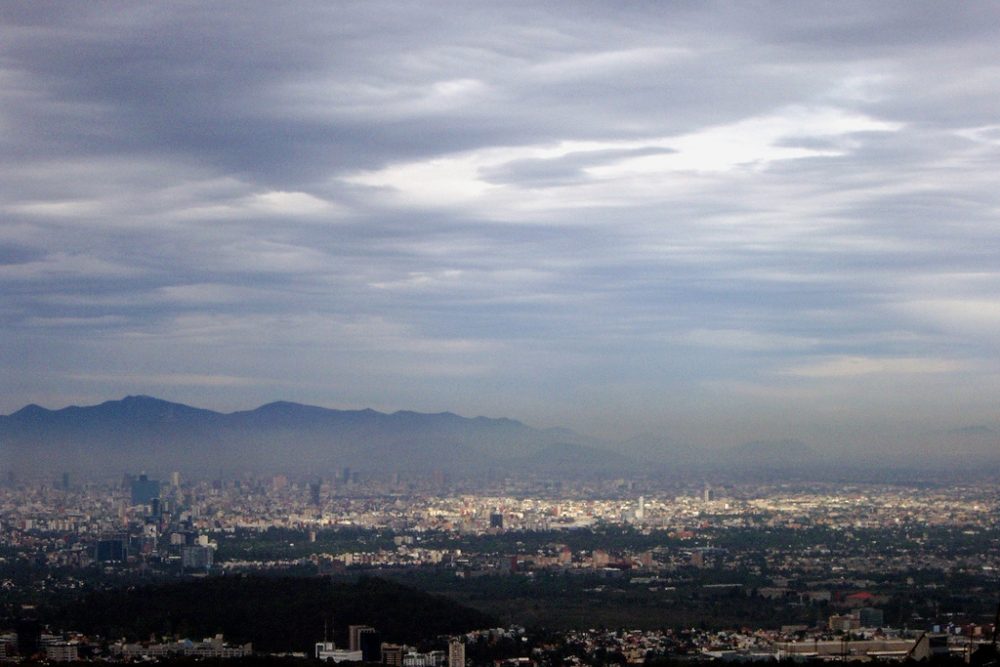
x=721 y=222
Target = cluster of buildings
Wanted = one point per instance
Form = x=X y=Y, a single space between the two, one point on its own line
x=30 y=643
x=819 y=545
x=177 y=523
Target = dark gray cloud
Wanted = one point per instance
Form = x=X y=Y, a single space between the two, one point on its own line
x=724 y=221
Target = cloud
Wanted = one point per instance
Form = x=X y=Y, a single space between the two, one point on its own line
x=564 y=216
x=847 y=367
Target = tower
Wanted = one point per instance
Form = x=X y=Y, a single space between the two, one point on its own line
x=456 y=652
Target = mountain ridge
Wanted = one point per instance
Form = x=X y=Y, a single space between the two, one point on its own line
x=145 y=432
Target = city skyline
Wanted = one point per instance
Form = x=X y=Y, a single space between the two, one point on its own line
x=713 y=223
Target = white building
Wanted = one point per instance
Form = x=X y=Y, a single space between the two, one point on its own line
x=329 y=651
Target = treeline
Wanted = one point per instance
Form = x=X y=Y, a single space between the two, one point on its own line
x=275 y=613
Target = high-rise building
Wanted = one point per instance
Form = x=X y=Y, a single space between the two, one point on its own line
x=496 y=520
x=29 y=636
x=144 y=490
x=354 y=633
x=196 y=557
x=110 y=550
x=456 y=652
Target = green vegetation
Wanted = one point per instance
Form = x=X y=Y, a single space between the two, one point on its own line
x=287 y=544
x=275 y=613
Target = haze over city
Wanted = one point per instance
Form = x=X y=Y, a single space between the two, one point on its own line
x=712 y=223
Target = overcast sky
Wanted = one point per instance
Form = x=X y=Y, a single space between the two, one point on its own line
x=719 y=222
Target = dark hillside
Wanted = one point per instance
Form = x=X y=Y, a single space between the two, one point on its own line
x=275 y=613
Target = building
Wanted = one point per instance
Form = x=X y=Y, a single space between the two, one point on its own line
x=429 y=659
x=843 y=623
x=456 y=653
x=62 y=652
x=29 y=637
x=354 y=633
x=111 y=550
x=144 y=490
x=196 y=557
x=392 y=655
x=328 y=652
x=870 y=617
x=364 y=638
x=210 y=647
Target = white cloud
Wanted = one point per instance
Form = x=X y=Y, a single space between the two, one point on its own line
x=854 y=366
x=457 y=179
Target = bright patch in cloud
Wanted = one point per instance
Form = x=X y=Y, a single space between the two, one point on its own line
x=845 y=367
x=459 y=178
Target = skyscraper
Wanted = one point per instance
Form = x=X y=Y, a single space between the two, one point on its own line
x=456 y=652
x=354 y=633
x=144 y=490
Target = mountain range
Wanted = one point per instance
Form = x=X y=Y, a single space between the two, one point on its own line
x=146 y=433
x=142 y=432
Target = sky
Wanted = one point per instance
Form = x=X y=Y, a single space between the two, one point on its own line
x=709 y=222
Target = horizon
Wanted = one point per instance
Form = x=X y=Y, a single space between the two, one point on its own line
x=722 y=223
x=788 y=453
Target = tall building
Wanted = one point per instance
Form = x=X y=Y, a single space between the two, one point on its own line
x=196 y=557
x=456 y=652
x=354 y=633
x=144 y=490
x=496 y=520
x=110 y=551
x=370 y=645
x=29 y=636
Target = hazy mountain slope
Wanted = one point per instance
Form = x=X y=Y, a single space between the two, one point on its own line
x=141 y=432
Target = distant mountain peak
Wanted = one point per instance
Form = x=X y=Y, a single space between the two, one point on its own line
x=31 y=410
